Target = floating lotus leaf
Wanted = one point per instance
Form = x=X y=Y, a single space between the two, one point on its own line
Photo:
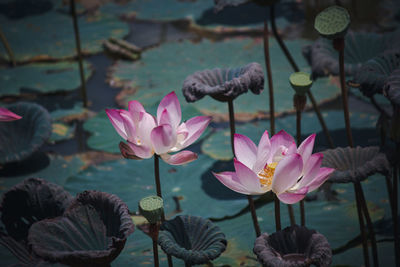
x=20 y=138
x=355 y=164
x=372 y=75
x=78 y=238
x=55 y=169
x=224 y=84
x=28 y=202
x=300 y=82
x=218 y=145
x=42 y=78
x=392 y=87
x=47 y=41
x=193 y=239
x=61 y=131
x=163 y=69
x=359 y=48
x=332 y=22
x=293 y=246
x=192 y=184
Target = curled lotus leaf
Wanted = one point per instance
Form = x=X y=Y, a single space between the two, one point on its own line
x=28 y=202
x=391 y=88
x=78 y=238
x=359 y=48
x=224 y=84
x=21 y=138
x=193 y=239
x=372 y=75
x=113 y=212
x=293 y=246
x=355 y=164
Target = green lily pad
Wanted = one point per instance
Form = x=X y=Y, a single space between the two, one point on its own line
x=192 y=183
x=54 y=169
x=332 y=22
x=51 y=35
x=164 y=69
x=42 y=78
x=67 y=114
x=104 y=137
x=61 y=131
x=218 y=145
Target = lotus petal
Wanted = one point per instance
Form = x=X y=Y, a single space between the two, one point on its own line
x=224 y=84
x=373 y=75
x=355 y=164
x=193 y=239
x=92 y=232
x=20 y=138
x=28 y=202
x=391 y=88
x=359 y=48
x=293 y=246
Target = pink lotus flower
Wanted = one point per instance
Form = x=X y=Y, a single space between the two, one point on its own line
x=6 y=115
x=165 y=134
x=277 y=165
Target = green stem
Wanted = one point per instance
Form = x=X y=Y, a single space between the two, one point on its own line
x=339 y=46
x=277 y=206
x=78 y=49
x=269 y=76
x=296 y=69
x=254 y=216
x=232 y=124
x=291 y=215
x=8 y=48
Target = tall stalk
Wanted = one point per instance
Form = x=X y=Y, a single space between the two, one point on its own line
x=298 y=139
x=8 y=48
x=296 y=69
x=271 y=113
x=339 y=44
x=249 y=197
x=158 y=188
x=395 y=205
x=79 y=52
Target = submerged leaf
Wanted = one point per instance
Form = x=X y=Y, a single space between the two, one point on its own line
x=355 y=164
x=20 y=138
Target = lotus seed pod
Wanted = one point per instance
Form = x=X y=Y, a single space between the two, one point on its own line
x=300 y=82
x=332 y=22
x=299 y=102
x=152 y=208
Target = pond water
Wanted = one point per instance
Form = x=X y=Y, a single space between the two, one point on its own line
x=178 y=38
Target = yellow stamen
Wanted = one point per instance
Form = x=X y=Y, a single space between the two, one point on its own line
x=267 y=174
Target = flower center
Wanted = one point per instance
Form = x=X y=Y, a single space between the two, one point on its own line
x=267 y=174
